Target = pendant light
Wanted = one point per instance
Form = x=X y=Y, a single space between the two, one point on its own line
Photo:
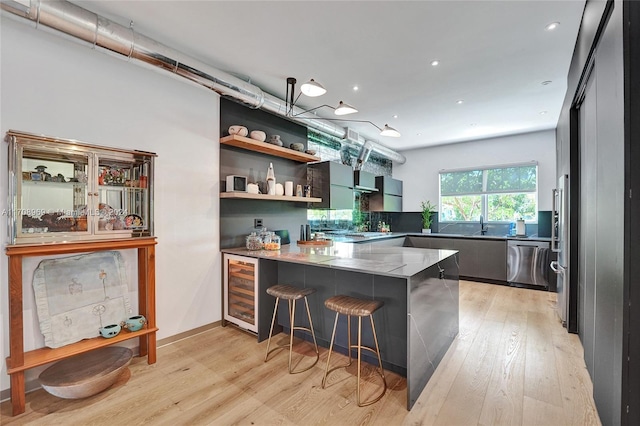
x=390 y=131
x=312 y=88
x=344 y=109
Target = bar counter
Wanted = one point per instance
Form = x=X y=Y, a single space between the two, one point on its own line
x=419 y=288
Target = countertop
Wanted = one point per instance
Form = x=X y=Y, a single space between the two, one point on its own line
x=347 y=239
x=483 y=237
x=394 y=261
x=363 y=255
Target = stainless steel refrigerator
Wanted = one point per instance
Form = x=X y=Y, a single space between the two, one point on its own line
x=560 y=245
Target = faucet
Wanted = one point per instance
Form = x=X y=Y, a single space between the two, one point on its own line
x=483 y=227
x=323 y=221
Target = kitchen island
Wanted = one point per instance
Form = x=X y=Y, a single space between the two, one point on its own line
x=419 y=288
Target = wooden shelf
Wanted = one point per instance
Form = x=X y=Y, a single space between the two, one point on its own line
x=43 y=356
x=19 y=361
x=247 y=196
x=267 y=148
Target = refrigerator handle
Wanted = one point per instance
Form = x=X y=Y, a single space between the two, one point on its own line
x=555 y=244
x=555 y=266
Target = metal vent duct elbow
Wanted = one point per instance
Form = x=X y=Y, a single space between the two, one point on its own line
x=112 y=37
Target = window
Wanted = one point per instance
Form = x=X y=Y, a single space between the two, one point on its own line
x=500 y=194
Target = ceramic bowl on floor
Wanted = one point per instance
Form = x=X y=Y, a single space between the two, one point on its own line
x=85 y=375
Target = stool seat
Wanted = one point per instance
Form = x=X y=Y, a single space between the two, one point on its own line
x=347 y=305
x=288 y=292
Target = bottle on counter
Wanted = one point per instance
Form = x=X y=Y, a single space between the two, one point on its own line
x=271 y=180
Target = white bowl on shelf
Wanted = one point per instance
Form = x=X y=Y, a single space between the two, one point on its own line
x=238 y=130
x=258 y=135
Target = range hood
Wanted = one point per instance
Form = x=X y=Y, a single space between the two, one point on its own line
x=364 y=182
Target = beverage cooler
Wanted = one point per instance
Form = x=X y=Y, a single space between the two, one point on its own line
x=240 y=291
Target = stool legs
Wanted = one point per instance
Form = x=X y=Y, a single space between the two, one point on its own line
x=273 y=320
x=292 y=313
x=359 y=347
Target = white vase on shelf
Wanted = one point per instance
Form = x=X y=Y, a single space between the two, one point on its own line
x=426 y=231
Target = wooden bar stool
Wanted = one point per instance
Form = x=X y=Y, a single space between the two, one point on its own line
x=351 y=306
x=291 y=294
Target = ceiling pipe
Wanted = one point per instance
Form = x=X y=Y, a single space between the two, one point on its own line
x=111 y=37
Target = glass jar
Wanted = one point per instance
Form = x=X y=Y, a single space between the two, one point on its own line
x=254 y=242
x=273 y=242
x=264 y=234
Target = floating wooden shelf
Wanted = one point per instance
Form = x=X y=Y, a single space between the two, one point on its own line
x=247 y=196
x=267 y=148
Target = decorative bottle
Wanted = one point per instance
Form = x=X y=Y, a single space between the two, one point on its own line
x=271 y=180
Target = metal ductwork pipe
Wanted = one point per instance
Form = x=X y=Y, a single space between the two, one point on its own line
x=105 y=34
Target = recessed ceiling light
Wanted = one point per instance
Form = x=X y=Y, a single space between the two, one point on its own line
x=460 y=101
x=552 y=26
x=355 y=88
x=546 y=82
x=435 y=63
x=543 y=112
x=395 y=115
x=418 y=134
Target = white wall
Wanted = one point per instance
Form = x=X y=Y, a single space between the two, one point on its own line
x=420 y=173
x=54 y=86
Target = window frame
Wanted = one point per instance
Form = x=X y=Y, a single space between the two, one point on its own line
x=484 y=194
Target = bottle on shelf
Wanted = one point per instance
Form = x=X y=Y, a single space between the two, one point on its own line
x=271 y=180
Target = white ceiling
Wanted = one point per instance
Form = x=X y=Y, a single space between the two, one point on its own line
x=494 y=55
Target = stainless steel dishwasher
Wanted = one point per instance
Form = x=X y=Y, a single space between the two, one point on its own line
x=527 y=263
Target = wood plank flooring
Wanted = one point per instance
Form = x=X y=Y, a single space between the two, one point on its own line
x=511 y=364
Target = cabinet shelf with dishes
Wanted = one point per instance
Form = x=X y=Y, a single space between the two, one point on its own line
x=62 y=190
x=267 y=148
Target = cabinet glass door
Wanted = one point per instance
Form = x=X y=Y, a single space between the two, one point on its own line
x=123 y=195
x=241 y=275
x=53 y=184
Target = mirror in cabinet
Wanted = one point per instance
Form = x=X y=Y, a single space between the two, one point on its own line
x=63 y=190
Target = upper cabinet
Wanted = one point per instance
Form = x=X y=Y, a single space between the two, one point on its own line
x=63 y=190
x=333 y=183
x=364 y=181
x=389 y=195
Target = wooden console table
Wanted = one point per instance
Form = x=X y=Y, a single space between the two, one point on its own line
x=19 y=360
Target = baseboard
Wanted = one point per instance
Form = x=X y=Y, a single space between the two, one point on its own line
x=32 y=385
x=172 y=339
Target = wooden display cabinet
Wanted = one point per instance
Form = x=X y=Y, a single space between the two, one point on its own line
x=64 y=190
x=69 y=197
x=19 y=360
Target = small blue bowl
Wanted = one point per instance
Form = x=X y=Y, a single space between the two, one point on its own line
x=109 y=331
x=135 y=323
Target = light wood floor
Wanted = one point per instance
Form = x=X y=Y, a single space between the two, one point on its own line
x=511 y=364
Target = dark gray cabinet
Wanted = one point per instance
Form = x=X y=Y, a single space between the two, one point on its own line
x=333 y=182
x=478 y=258
x=491 y=260
x=389 y=195
x=364 y=181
